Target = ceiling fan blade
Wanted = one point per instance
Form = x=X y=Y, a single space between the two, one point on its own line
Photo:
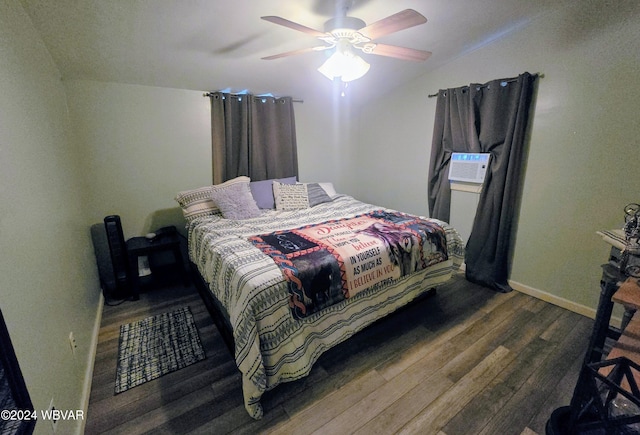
x=393 y=23
x=403 y=53
x=295 y=52
x=295 y=26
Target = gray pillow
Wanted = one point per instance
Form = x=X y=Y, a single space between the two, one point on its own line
x=317 y=194
x=235 y=201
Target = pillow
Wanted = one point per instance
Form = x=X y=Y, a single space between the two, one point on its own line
x=317 y=194
x=235 y=201
x=290 y=196
x=328 y=187
x=262 y=191
x=197 y=203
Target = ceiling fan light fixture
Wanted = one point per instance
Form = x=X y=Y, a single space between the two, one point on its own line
x=344 y=64
x=344 y=34
x=343 y=22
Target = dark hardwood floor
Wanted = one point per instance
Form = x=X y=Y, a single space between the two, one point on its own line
x=465 y=361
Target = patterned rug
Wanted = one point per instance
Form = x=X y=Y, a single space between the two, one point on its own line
x=155 y=346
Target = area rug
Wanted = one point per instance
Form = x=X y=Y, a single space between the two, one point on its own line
x=155 y=346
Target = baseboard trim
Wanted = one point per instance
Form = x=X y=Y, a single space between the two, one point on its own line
x=561 y=302
x=555 y=300
x=88 y=376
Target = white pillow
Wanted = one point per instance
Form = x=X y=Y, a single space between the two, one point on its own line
x=290 y=196
x=198 y=202
x=262 y=191
x=328 y=187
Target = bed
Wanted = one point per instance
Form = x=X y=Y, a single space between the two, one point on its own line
x=281 y=298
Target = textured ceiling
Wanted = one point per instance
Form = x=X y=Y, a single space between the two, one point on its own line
x=218 y=44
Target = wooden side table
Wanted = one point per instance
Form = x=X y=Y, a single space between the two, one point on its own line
x=629 y=296
x=628 y=345
x=141 y=246
x=605 y=379
x=609 y=284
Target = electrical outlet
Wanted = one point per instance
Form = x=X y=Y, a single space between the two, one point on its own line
x=72 y=342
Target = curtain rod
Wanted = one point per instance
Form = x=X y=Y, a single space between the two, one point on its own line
x=535 y=76
x=295 y=100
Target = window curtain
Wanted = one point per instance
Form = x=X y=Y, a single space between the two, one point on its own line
x=253 y=136
x=488 y=118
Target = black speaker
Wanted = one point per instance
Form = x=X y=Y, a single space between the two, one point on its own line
x=118 y=254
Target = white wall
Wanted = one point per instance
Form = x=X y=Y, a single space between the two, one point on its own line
x=48 y=278
x=324 y=129
x=583 y=159
x=390 y=161
x=140 y=146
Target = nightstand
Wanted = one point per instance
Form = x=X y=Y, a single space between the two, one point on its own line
x=141 y=246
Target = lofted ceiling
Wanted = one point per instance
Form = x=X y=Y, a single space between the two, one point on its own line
x=218 y=44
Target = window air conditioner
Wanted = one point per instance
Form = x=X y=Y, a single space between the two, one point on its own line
x=469 y=167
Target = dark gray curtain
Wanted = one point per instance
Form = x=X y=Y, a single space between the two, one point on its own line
x=488 y=118
x=253 y=136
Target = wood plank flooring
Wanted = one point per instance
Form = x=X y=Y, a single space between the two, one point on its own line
x=465 y=361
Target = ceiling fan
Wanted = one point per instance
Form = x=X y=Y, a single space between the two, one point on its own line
x=346 y=34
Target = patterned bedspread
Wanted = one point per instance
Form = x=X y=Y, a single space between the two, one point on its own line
x=328 y=262
x=271 y=345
